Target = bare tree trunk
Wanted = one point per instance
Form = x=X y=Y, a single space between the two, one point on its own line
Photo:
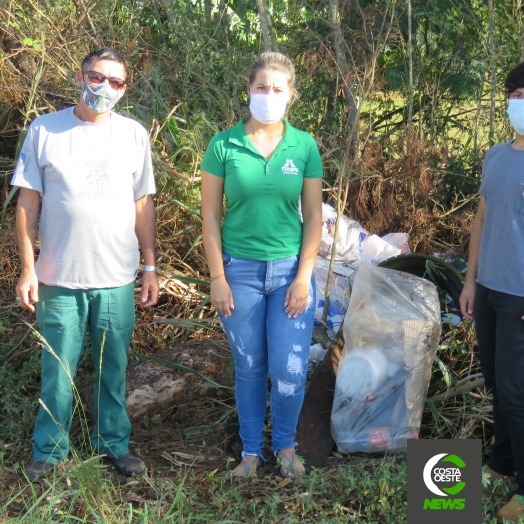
x=223 y=19
x=159 y=21
x=476 y=151
x=420 y=115
x=434 y=101
x=492 y=60
x=167 y=11
x=342 y=62
x=363 y=84
x=263 y=16
x=410 y=70
x=208 y=7
x=271 y=31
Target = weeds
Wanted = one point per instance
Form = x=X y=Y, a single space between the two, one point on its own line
x=359 y=490
x=186 y=77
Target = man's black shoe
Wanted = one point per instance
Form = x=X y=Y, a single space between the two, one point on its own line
x=38 y=468
x=128 y=464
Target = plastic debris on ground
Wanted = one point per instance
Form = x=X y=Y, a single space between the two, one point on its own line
x=351 y=236
x=316 y=355
x=342 y=282
x=451 y=318
x=391 y=332
x=354 y=246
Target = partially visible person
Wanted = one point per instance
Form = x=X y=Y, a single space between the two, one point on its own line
x=90 y=171
x=493 y=296
x=261 y=259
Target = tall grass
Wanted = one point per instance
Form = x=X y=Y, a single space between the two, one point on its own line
x=359 y=490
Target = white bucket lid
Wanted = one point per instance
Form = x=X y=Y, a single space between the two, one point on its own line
x=362 y=372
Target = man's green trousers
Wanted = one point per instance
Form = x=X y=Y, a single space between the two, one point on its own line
x=64 y=316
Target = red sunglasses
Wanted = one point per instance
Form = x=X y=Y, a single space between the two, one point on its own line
x=99 y=78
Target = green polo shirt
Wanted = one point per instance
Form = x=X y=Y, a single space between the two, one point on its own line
x=262 y=220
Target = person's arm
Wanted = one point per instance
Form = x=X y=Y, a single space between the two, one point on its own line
x=27 y=214
x=298 y=292
x=212 y=198
x=145 y=228
x=467 y=297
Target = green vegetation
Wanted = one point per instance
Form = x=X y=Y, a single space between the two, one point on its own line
x=402 y=140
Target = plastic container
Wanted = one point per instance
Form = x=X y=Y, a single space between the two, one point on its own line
x=391 y=332
x=362 y=372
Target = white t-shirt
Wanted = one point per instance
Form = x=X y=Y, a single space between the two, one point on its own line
x=89 y=176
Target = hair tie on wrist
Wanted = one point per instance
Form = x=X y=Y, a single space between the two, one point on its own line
x=218 y=276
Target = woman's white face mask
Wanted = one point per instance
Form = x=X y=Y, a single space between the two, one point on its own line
x=269 y=96
x=268 y=108
x=516 y=114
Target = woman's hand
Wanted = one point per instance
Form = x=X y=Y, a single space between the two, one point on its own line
x=221 y=296
x=467 y=300
x=297 y=297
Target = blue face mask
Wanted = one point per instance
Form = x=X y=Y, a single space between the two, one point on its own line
x=516 y=114
x=100 y=98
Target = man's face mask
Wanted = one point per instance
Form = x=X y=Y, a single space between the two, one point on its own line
x=516 y=114
x=100 y=98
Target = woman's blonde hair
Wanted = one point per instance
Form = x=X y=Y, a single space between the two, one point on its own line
x=276 y=62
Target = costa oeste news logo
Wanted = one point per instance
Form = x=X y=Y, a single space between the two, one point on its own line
x=433 y=476
x=444 y=481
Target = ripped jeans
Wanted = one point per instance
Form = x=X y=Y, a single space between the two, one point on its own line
x=265 y=342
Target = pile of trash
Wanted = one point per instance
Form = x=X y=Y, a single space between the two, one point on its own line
x=391 y=333
x=391 y=323
x=354 y=246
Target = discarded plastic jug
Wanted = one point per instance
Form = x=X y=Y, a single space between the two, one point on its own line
x=362 y=372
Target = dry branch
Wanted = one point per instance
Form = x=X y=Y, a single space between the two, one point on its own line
x=462 y=386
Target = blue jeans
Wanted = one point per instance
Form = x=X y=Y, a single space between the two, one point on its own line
x=265 y=342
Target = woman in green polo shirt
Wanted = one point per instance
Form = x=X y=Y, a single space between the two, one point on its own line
x=261 y=259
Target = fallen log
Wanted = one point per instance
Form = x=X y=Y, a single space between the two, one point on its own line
x=151 y=385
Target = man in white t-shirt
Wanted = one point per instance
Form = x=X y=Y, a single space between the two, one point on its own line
x=86 y=180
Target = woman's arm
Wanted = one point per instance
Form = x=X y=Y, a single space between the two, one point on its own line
x=298 y=292
x=212 y=198
x=467 y=298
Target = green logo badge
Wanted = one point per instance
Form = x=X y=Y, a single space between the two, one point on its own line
x=433 y=476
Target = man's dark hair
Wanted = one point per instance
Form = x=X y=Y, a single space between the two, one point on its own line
x=515 y=79
x=105 y=53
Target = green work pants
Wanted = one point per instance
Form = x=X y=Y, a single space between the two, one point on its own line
x=64 y=316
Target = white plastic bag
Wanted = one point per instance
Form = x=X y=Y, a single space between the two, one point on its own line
x=375 y=250
x=391 y=332
x=399 y=240
x=350 y=240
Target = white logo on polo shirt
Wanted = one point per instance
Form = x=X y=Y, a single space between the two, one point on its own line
x=289 y=168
